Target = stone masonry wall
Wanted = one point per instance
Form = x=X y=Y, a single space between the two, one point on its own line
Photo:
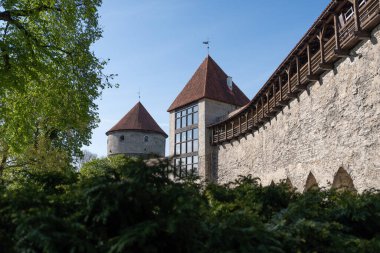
x=334 y=123
x=209 y=111
x=134 y=143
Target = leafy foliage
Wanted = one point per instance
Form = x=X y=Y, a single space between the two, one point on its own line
x=122 y=205
x=49 y=80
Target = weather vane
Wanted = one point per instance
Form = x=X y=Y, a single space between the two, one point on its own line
x=139 y=93
x=207 y=42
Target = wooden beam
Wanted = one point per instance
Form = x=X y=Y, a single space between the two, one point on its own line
x=291 y=95
x=288 y=72
x=257 y=112
x=253 y=119
x=359 y=33
x=341 y=53
x=326 y=66
x=356 y=14
x=362 y=35
x=246 y=120
x=254 y=128
x=225 y=131
x=322 y=43
x=298 y=70
x=312 y=77
x=336 y=30
x=280 y=86
x=308 y=59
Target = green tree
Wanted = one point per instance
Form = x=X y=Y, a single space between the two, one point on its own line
x=49 y=79
x=118 y=204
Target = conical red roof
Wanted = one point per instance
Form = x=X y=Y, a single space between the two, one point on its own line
x=209 y=81
x=138 y=118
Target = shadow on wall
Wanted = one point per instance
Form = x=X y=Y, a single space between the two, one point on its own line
x=342 y=181
x=311 y=183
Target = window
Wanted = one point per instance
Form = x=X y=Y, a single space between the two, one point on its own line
x=186 y=166
x=121 y=138
x=186 y=142
x=186 y=117
x=348 y=14
x=146 y=138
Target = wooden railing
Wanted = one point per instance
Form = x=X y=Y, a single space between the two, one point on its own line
x=347 y=32
x=315 y=61
x=368 y=11
x=303 y=73
x=329 y=49
x=251 y=118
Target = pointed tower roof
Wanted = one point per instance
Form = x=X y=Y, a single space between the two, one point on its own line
x=209 y=81
x=138 y=118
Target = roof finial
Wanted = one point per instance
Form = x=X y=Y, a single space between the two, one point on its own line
x=207 y=42
x=139 y=93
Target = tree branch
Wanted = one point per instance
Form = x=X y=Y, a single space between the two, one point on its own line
x=5 y=16
x=8 y=14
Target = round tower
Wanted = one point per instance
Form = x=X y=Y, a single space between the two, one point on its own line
x=136 y=134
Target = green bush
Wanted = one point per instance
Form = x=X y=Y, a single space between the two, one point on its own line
x=122 y=205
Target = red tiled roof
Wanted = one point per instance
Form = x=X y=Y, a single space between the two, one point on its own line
x=138 y=118
x=209 y=81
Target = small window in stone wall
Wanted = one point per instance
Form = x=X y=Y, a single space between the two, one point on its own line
x=146 y=138
x=122 y=138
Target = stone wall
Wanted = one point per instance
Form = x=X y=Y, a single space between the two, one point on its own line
x=334 y=124
x=135 y=144
x=171 y=133
x=209 y=111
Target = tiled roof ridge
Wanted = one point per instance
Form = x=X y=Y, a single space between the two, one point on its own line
x=137 y=119
x=213 y=85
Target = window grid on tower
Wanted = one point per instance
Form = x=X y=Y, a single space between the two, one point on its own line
x=186 y=117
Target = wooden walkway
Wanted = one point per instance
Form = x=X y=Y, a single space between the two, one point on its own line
x=342 y=25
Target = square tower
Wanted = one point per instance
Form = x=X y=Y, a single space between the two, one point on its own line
x=209 y=95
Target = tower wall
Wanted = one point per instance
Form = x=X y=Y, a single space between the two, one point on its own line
x=135 y=144
x=334 y=124
x=209 y=112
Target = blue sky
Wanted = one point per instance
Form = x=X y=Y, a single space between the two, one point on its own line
x=155 y=47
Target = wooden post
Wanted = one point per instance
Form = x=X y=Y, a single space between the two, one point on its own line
x=356 y=14
x=262 y=107
x=308 y=59
x=288 y=72
x=323 y=65
x=232 y=124
x=338 y=50
x=239 y=125
x=257 y=112
x=246 y=120
x=274 y=94
x=280 y=86
x=267 y=95
x=322 y=44
x=225 y=131
x=298 y=70
x=359 y=32
x=336 y=29
x=253 y=121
